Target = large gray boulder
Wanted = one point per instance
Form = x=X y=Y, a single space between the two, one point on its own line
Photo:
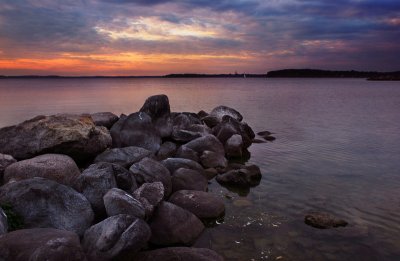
x=136 y=129
x=57 y=167
x=73 y=135
x=117 y=201
x=116 y=237
x=172 y=225
x=179 y=253
x=38 y=244
x=157 y=107
x=5 y=161
x=124 y=156
x=3 y=222
x=148 y=170
x=173 y=164
x=150 y=195
x=46 y=203
x=188 y=179
x=99 y=178
x=105 y=119
x=220 y=111
x=203 y=204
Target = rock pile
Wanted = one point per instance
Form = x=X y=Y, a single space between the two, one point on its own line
x=141 y=185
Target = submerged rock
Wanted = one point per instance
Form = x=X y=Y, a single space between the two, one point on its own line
x=323 y=220
x=172 y=225
x=136 y=129
x=124 y=156
x=57 y=167
x=204 y=205
x=41 y=244
x=73 y=135
x=105 y=119
x=245 y=176
x=46 y=203
x=116 y=237
x=179 y=253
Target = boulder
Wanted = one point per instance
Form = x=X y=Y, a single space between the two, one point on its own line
x=73 y=135
x=157 y=107
x=172 y=225
x=211 y=159
x=167 y=150
x=233 y=146
x=203 y=204
x=57 y=167
x=115 y=238
x=202 y=114
x=117 y=201
x=181 y=124
x=150 y=195
x=247 y=176
x=3 y=222
x=148 y=170
x=210 y=173
x=41 y=244
x=105 y=119
x=210 y=121
x=124 y=156
x=136 y=129
x=208 y=142
x=323 y=220
x=220 y=111
x=46 y=203
x=5 y=161
x=186 y=153
x=230 y=126
x=184 y=136
x=179 y=253
x=172 y=164
x=188 y=179
x=95 y=182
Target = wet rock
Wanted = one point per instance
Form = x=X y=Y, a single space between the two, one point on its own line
x=116 y=237
x=172 y=225
x=233 y=146
x=41 y=244
x=204 y=205
x=95 y=182
x=172 y=164
x=136 y=129
x=211 y=159
x=209 y=142
x=3 y=222
x=124 y=156
x=117 y=201
x=105 y=119
x=57 y=167
x=167 y=150
x=179 y=253
x=73 y=135
x=158 y=108
x=221 y=111
x=258 y=141
x=5 y=161
x=269 y=138
x=264 y=133
x=148 y=170
x=46 y=203
x=247 y=176
x=187 y=179
x=186 y=153
x=150 y=195
x=323 y=220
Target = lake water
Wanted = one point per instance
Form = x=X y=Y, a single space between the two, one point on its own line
x=337 y=150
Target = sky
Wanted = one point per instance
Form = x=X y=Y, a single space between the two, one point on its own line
x=155 y=37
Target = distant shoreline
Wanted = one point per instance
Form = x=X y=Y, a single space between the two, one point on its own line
x=286 y=73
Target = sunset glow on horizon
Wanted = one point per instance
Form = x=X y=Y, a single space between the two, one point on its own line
x=126 y=37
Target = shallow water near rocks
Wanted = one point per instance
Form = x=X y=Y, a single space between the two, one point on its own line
x=337 y=150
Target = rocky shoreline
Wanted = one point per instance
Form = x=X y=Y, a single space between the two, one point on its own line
x=134 y=187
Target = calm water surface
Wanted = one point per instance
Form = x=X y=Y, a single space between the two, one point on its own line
x=337 y=150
